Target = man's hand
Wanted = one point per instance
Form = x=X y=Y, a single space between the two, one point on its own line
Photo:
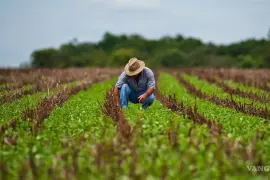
x=145 y=95
x=142 y=98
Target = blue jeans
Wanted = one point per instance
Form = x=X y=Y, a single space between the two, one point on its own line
x=127 y=94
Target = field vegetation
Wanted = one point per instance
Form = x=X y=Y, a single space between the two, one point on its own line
x=205 y=123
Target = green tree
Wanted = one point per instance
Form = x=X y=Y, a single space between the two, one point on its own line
x=109 y=41
x=247 y=61
x=44 y=58
x=268 y=35
x=121 y=56
x=171 y=58
x=99 y=58
x=178 y=51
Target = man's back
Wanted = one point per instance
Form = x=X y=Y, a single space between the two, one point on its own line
x=136 y=85
x=146 y=80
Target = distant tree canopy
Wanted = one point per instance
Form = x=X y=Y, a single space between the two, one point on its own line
x=268 y=35
x=115 y=51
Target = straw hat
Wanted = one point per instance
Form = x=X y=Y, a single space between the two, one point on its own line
x=134 y=66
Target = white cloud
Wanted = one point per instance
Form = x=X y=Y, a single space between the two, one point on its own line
x=130 y=4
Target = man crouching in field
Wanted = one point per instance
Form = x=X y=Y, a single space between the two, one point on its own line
x=136 y=84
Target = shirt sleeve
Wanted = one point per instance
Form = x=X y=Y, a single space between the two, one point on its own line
x=150 y=80
x=122 y=79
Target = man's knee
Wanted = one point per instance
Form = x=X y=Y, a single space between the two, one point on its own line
x=125 y=88
x=151 y=99
x=125 y=92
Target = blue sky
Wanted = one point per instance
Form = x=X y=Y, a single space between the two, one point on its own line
x=30 y=24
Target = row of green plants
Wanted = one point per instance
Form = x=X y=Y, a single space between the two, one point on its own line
x=236 y=124
x=244 y=87
x=15 y=128
x=78 y=141
x=15 y=108
x=80 y=116
x=10 y=92
x=212 y=89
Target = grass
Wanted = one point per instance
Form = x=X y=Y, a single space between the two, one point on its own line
x=15 y=108
x=80 y=116
x=237 y=125
x=78 y=141
x=212 y=89
x=245 y=87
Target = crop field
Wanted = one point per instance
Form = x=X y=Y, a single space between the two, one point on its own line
x=204 y=124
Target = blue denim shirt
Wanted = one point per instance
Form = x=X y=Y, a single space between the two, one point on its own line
x=146 y=80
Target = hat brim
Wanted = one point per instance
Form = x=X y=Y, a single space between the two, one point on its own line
x=133 y=73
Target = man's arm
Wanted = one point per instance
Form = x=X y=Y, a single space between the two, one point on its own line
x=145 y=95
x=149 y=91
x=150 y=87
x=121 y=80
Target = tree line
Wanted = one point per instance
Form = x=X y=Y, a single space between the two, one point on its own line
x=178 y=51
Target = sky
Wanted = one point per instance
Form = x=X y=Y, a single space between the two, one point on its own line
x=29 y=25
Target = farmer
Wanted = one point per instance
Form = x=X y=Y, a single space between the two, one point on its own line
x=136 y=84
